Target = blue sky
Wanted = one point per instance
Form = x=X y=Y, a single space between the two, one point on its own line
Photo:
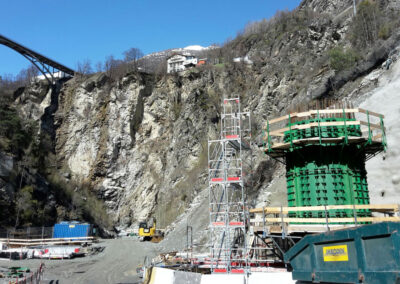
x=69 y=31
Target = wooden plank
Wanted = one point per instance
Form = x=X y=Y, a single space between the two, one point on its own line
x=303 y=228
x=279 y=132
x=372 y=125
x=370 y=112
x=59 y=242
x=314 y=140
x=327 y=111
x=330 y=123
x=49 y=240
x=272 y=121
x=280 y=145
x=372 y=207
x=323 y=140
x=42 y=243
x=317 y=227
x=332 y=220
x=321 y=111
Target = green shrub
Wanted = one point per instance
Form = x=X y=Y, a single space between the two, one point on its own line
x=176 y=109
x=84 y=201
x=340 y=59
x=384 y=31
x=26 y=206
x=15 y=135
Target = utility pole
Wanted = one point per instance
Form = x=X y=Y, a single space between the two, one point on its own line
x=355 y=8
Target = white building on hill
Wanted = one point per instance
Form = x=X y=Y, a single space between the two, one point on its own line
x=180 y=62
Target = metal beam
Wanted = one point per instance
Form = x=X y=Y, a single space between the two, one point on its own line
x=40 y=61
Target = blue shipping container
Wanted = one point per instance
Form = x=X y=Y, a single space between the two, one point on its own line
x=71 y=230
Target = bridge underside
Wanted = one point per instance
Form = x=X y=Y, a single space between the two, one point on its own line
x=45 y=65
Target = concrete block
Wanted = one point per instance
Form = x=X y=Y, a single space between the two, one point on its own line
x=181 y=277
x=222 y=278
x=162 y=276
x=271 y=278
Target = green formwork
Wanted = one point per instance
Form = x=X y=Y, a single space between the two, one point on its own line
x=327 y=173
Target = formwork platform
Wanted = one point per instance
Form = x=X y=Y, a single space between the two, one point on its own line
x=325 y=151
x=325 y=127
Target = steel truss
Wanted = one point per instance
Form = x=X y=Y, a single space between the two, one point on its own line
x=45 y=65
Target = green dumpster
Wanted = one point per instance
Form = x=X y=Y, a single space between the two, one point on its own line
x=367 y=254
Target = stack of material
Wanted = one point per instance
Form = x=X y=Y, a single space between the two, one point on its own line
x=177 y=261
x=170 y=259
x=44 y=251
x=23 y=275
x=56 y=252
x=13 y=254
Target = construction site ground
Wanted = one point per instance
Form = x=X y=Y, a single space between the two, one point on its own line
x=116 y=264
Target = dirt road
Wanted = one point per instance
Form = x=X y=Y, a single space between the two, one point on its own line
x=116 y=264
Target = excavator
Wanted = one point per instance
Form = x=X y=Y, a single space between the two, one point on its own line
x=148 y=231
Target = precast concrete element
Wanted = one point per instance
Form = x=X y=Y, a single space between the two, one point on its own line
x=223 y=278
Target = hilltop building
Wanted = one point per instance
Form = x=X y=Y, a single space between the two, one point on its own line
x=180 y=62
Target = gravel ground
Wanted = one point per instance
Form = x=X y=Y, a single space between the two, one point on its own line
x=116 y=264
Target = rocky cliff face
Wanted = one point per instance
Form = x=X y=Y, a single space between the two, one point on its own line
x=338 y=6
x=139 y=143
x=135 y=141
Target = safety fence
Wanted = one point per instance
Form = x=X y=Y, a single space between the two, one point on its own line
x=27 y=233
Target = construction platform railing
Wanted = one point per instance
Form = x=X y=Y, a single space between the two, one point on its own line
x=277 y=218
x=278 y=132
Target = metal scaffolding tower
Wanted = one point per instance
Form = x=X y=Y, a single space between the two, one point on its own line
x=228 y=209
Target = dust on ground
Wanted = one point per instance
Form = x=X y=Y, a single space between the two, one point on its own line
x=116 y=264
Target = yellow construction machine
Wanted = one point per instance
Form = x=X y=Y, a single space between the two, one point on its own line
x=148 y=231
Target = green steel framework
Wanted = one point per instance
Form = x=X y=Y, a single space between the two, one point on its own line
x=325 y=153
